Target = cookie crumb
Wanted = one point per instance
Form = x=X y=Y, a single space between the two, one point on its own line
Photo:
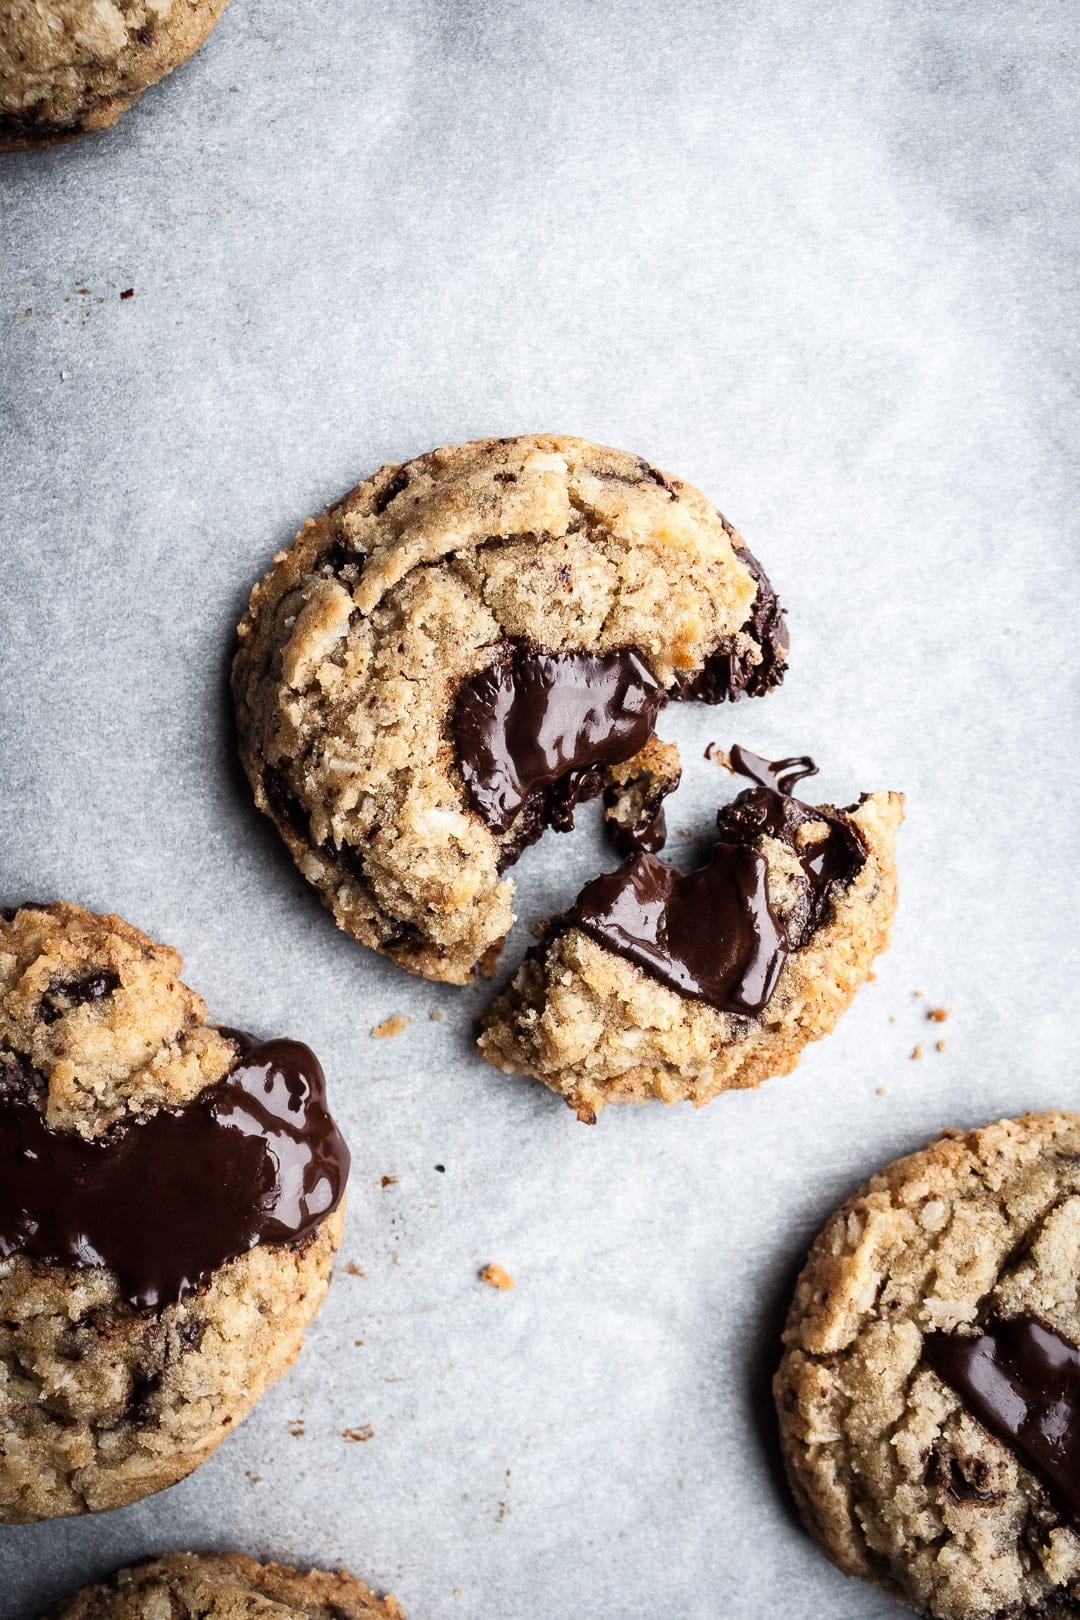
x=441 y=1168
x=390 y=1027
x=436 y=1016
x=717 y=755
x=879 y=1091
x=496 y=1277
x=916 y=1053
x=128 y=292
x=388 y=1181
x=296 y=1428
x=939 y=1046
x=938 y=1015
x=364 y=1432
x=352 y=1269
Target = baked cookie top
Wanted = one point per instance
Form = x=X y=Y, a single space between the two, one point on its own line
x=171 y=1196
x=929 y=1393
x=226 y=1586
x=678 y=986
x=71 y=66
x=442 y=665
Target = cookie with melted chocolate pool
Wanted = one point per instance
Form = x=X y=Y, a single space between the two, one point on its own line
x=226 y=1586
x=171 y=1197
x=445 y=663
x=678 y=986
x=929 y=1391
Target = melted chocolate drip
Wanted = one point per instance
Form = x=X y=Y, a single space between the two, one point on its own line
x=710 y=934
x=537 y=724
x=1021 y=1380
x=164 y=1202
x=726 y=675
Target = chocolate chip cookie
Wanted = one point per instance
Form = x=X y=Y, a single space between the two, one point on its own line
x=226 y=1586
x=929 y=1393
x=445 y=663
x=68 y=67
x=170 y=1203
x=674 y=985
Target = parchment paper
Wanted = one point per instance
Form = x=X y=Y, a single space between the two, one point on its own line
x=819 y=261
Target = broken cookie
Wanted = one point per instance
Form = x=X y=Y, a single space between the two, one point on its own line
x=448 y=661
x=660 y=983
x=634 y=794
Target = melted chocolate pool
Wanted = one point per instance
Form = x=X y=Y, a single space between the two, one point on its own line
x=535 y=718
x=164 y=1202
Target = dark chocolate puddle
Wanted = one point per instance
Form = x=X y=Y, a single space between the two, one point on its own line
x=163 y=1202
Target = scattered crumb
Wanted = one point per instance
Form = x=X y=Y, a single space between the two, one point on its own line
x=252 y=1479
x=892 y=1018
x=880 y=1091
x=871 y=977
x=128 y=292
x=365 y=1432
x=917 y=994
x=388 y=1181
x=296 y=1428
x=496 y=1277
x=436 y=1016
x=718 y=755
x=64 y=375
x=441 y=1168
x=358 y=1344
x=390 y=1027
x=939 y=1046
x=916 y=1053
x=458 y=1593
x=352 y=1269
x=938 y=1015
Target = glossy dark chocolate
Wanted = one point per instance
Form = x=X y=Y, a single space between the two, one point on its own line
x=729 y=675
x=165 y=1201
x=649 y=834
x=535 y=719
x=710 y=934
x=1021 y=1380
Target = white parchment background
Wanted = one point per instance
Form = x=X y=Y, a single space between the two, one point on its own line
x=819 y=260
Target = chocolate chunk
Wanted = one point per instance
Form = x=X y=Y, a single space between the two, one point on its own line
x=65 y=994
x=164 y=1202
x=727 y=674
x=534 y=720
x=1021 y=1380
x=284 y=803
x=710 y=934
x=339 y=557
x=770 y=808
x=390 y=492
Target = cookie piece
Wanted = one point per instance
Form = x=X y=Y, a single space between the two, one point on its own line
x=679 y=986
x=68 y=67
x=929 y=1393
x=226 y=1586
x=171 y=1197
x=442 y=664
x=634 y=794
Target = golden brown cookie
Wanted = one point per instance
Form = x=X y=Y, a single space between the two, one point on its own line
x=226 y=1586
x=929 y=1393
x=170 y=1203
x=443 y=664
x=678 y=987
x=68 y=67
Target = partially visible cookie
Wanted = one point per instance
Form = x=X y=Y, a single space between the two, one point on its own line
x=68 y=67
x=929 y=1393
x=442 y=665
x=171 y=1197
x=658 y=984
x=226 y=1586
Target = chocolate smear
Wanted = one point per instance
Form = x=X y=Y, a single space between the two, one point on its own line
x=1021 y=1380
x=534 y=721
x=165 y=1201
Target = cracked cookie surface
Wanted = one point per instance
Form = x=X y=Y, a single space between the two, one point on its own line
x=468 y=563
x=68 y=67
x=894 y=1475
x=226 y=1586
x=102 y=1402
x=599 y=1028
